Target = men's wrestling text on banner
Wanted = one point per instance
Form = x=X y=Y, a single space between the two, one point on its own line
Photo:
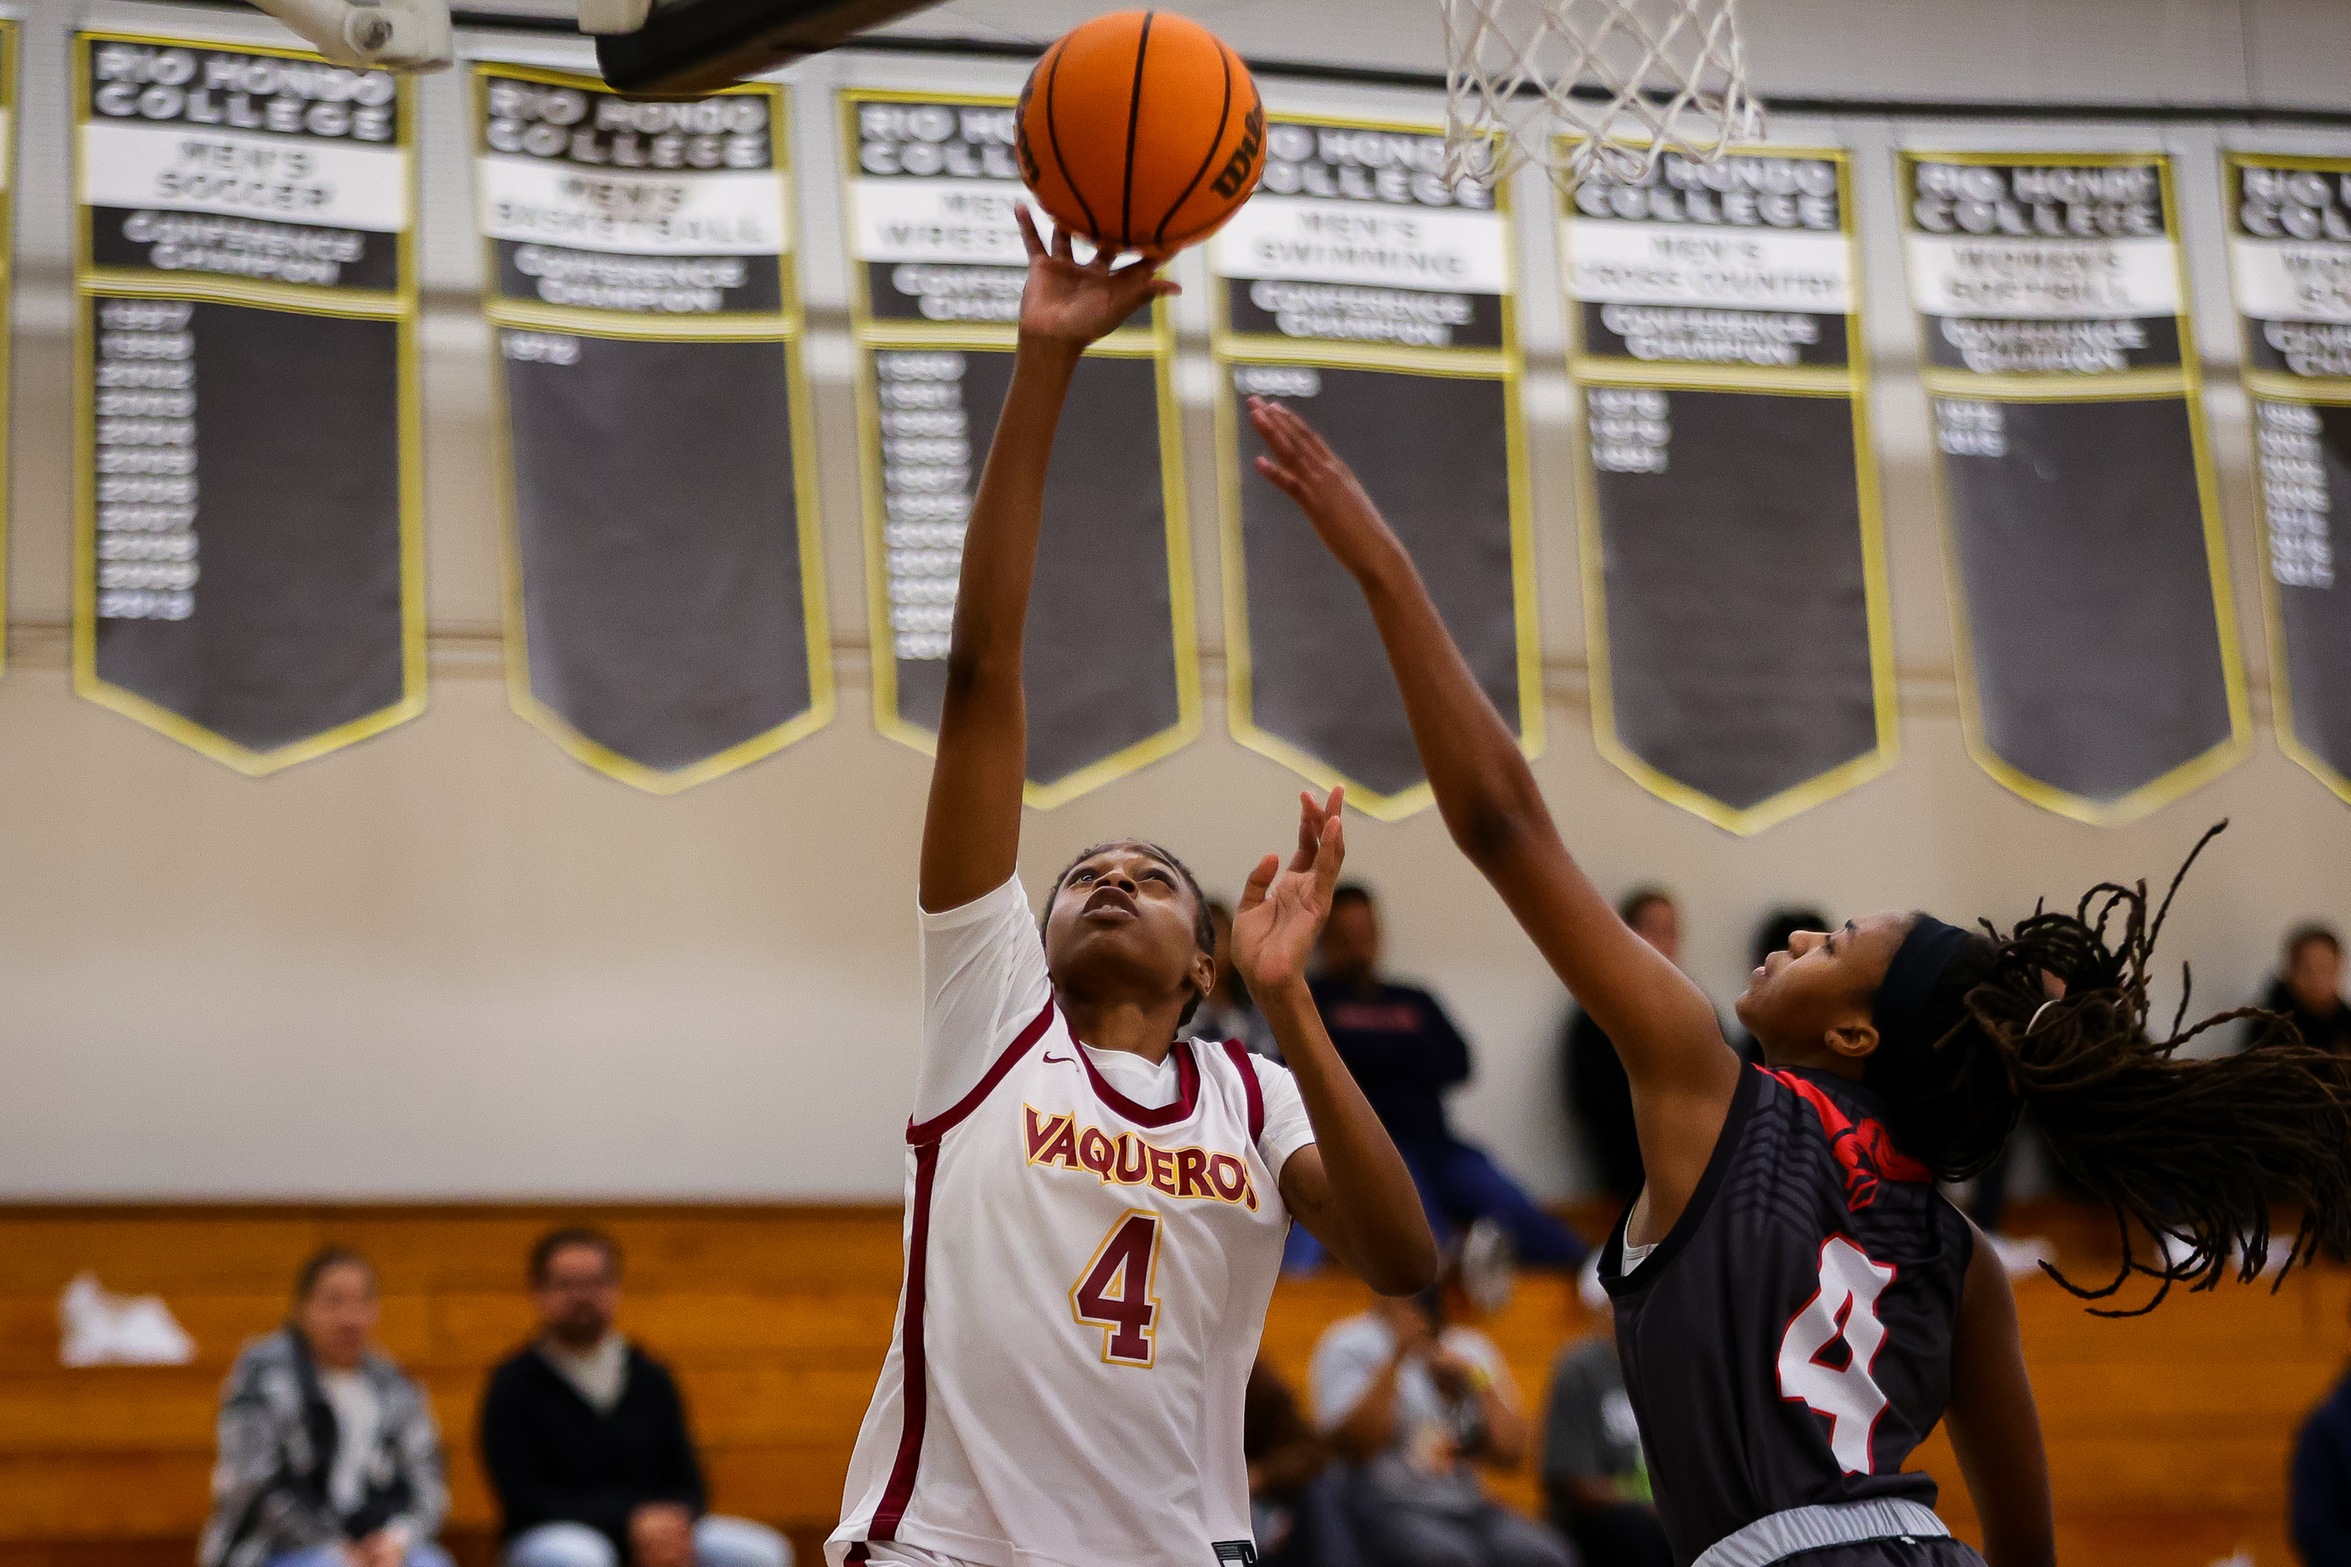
x=2097 y=644
x=1734 y=577
x=666 y=617
x=249 y=551
x=1375 y=298
x=2290 y=258
x=933 y=188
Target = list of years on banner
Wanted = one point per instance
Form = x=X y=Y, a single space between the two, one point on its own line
x=927 y=477
x=1355 y=236
x=593 y=201
x=2039 y=267
x=146 y=459
x=241 y=163
x=1744 y=263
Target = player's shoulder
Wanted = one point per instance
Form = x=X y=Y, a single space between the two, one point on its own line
x=1005 y=902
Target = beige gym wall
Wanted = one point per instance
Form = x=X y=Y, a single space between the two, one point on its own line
x=452 y=962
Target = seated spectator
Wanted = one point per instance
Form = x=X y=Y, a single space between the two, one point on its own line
x=584 y=1436
x=1599 y=1096
x=1294 y=1505
x=328 y=1455
x=1415 y=1407
x=1228 y=1012
x=1595 y=1475
x=2320 y=1500
x=2309 y=989
x=1405 y=1053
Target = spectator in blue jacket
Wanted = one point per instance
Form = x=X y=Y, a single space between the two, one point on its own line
x=2322 y=1482
x=1406 y=1054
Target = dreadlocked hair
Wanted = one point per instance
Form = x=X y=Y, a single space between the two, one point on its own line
x=2193 y=1149
x=1203 y=925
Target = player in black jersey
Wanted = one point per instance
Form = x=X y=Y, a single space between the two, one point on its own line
x=1796 y=1303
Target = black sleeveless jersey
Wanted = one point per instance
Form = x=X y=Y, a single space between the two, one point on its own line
x=1788 y=1342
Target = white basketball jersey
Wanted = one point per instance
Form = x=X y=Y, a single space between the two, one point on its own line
x=1087 y=1275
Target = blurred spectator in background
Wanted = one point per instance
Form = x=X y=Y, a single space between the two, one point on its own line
x=1228 y=1012
x=1295 y=1509
x=1595 y=1476
x=2309 y=989
x=328 y=1455
x=1599 y=1097
x=2321 y=1486
x=584 y=1436
x=1405 y=1053
x=1416 y=1407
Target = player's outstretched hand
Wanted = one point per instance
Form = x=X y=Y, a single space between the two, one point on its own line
x=1069 y=302
x=1301 y=464
x=1283 y=906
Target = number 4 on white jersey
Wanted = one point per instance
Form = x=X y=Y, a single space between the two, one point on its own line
x=1846 y=1308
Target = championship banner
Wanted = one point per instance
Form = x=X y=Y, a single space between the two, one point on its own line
x=1734 y=556
x=249 y=550
x=665 y=591
x=2290 y=257
x=933 y=189
x=2097 y=654
x=1360 y=286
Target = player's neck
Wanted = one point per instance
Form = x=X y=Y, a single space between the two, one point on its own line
x=1145 y=1029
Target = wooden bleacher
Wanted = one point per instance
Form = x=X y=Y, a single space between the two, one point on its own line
x=2168 y=1435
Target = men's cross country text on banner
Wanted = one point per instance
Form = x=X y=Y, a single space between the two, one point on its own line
x=249 y=571
x=2098 y=662
x=936 y=272
x=665 y=609
x=1734 y=557
x=2290 y=257
x=1360 y=287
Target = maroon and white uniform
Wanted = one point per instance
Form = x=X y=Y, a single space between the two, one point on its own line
x=1091 y=1242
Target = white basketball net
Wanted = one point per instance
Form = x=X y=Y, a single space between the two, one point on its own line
x=1669 y=77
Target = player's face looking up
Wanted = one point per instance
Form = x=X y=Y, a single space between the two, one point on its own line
x=1810 y=1004
x=1124 y=924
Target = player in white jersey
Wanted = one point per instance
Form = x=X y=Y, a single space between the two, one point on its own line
x=1095 y=1206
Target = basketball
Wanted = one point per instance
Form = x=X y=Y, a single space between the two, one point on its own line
x=1140 y=131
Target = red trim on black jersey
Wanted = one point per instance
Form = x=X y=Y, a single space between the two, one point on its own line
x=1862 y=1147
x=1186 y=1099
x=913 y=1363
x=1250 y=1086
x=938 y=1126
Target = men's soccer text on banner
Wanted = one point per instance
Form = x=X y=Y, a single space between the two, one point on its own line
x=1734 y=559
x=1362 y=287
x=2097 y=657
x=937 y=268
x=665 y=609
x=249 y=552
x=2290 y=256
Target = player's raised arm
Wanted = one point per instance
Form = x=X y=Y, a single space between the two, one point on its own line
x=971 y=832
x=1349 y=1186
x=1682 y=1071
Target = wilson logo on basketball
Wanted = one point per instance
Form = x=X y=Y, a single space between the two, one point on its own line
x=1240 y=171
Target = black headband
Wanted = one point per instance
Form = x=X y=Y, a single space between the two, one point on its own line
x=1905 y=1012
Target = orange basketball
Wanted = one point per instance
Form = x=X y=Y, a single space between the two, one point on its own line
x=1141 y=131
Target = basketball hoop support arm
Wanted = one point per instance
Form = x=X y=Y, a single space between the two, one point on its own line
x=390 y=35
